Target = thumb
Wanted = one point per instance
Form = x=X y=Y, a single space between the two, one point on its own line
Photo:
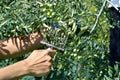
x=51 y=52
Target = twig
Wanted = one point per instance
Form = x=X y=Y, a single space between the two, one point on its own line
x=98 y=16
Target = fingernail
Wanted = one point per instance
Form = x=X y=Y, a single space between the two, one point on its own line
x=49 y=49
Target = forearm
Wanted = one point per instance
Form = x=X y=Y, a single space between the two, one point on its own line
x=13 y=71
x=37 y=64
x=17 y=46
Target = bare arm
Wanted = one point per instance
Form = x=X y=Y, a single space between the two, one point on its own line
x=18 y=46
x=14 y=71
x=37 y=64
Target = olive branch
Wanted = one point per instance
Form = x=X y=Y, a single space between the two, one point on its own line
x=100 y=13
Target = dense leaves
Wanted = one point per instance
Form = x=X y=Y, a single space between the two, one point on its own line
x=86 y=55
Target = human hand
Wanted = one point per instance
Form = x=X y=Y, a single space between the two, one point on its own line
x=39 y=62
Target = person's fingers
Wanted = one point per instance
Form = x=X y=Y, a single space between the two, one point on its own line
x=51 y=52
x=47 y=58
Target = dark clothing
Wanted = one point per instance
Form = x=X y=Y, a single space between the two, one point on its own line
x=114 y=36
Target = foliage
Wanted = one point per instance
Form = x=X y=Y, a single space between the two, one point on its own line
x=86 y=55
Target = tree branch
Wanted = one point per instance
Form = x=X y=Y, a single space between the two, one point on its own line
x=98 y=16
